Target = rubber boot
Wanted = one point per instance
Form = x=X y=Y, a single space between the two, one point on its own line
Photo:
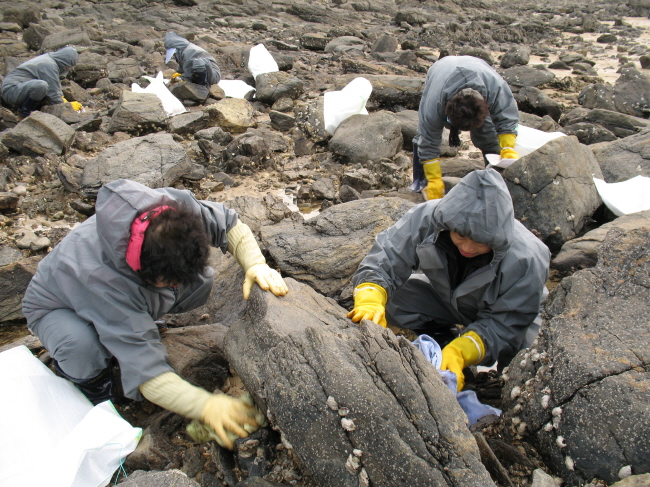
x=97 y=389
x=28 y=106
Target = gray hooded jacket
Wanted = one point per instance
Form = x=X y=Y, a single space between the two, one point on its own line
x=192 y=58
x=448 y=76
x=87 y=272
x=46 y=67
x=498 y=301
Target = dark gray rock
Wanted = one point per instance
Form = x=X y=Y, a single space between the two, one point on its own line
x=325 y=251
x=478 y=52
x=589 y=133
x=619 y=124
x=39 y=134
x=348 y=193
x=390 y=90
x=9 y=255
x=273 y=86
x=167 y=478
x=385 y=43
x=138 y=113
x=623 y=159
x=120 y=69
x=460 y=167
x=345 y=43
x=154 y=160
x=34 y=35
x=282 y=121
x=324 y=189
x=314 y=42
x=582 y=252
x=408 y=120
x=533 y=100
x=552 y=190
x=580 y=394
x=188 y=123
x=363 y=138
x=630 y=94
x=520 y=76
x=516 y=55
x=258 y=212
x=65 y=37
x=295 y=352
x=310 y=120
x=545 y=123
x=190 y=91
x=14 y=279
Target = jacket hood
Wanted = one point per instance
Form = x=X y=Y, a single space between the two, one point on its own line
x=118 y=204
x=173 y=40
x=479 y=207
x=66 y=57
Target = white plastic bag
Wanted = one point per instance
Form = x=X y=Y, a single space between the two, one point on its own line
x=51 y=434
x=340 y=105
x=260 y=61
x=170 y=103
x=627 y=196
x=235 y=88
x=528 y=140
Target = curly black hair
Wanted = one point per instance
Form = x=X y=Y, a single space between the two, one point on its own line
x=467 y=110
x=175 y=248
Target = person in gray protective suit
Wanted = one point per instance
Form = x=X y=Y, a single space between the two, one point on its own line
x=35 y=83
x=480 y=268
x=462 y=93
x=96 y=296
x=195 y=64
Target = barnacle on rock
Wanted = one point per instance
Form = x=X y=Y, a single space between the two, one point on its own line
x=559 y=441
x=332 y=404
x=348 y=424
x=568 y=461
x=515 y=392
x=625 y=472
x=546 y=399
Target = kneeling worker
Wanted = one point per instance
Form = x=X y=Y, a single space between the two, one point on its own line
x=480 y=268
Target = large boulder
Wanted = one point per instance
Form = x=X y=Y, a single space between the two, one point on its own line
x=270 y=87
x=630 y=94
x=154 y=160
x=390 y=90
x=347 y=397
x=326 y=250
x=233 y=114
x=580 y=395
x=520 y=76
x=624 y=159
x=619 y=124
x=553 y=191
x=14 y=279
x=39 y=134
x=363 y=138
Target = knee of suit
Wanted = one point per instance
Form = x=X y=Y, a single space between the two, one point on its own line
x=38 y=90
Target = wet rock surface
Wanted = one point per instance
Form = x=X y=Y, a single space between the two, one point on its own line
x=579 y=68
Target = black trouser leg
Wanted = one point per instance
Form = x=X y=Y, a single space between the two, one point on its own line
x=28 y=106
x=97 y=389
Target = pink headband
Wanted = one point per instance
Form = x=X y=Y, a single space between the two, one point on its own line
x=138 y=227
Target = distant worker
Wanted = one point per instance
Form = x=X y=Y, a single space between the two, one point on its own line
x=462 y=93
x=479 y=268
x=95 y=298
x=36 y=82
x=195 y=64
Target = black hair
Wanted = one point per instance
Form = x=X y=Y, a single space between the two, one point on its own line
x=176 y=246
x=467 y=110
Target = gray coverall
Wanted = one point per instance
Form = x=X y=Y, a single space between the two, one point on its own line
x=38 y=78
x=498 y=300
x=87 y=305
x=194 y=62
x=445 y=78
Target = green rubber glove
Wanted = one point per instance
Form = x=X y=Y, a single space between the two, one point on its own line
x=468 y=349
x=369 y=304
x=435 y=187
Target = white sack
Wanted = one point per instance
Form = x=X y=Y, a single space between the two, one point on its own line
x=528 y=140
x=625 y=197
x=170 y=103
x=260 y=61
x=235 y=88
x=51 y=434
x=340 y=105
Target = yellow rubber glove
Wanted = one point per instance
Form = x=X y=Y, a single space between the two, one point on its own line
x=228 y=418
x=226 y=415
x=507 y=144
x=64 y=100
x=176 y=75
x=76 y=106
x=468 y=349
x=242 y=245
x=435 y=187
x=369 y=303
x=202 y=433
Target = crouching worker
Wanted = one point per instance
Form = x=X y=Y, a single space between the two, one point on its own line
x=195 y=64
x=462 y=93
x=96 y=296
x=480 y=268
x=35 y=83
